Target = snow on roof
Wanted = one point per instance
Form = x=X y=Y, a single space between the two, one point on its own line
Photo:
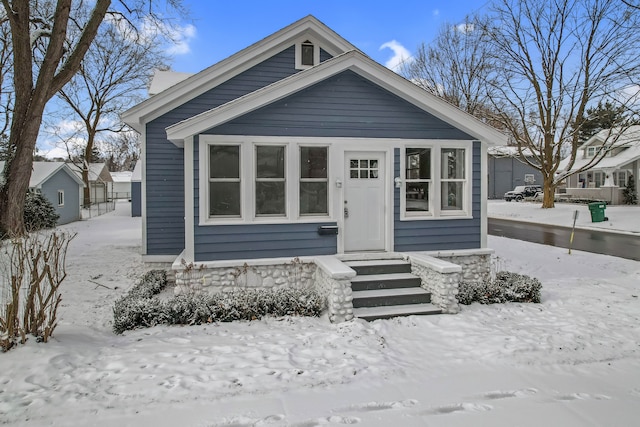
x=136 y=176
x=507 y=151
x=97 y=172
x=165 y=79
x=629 y=139
x=124 y=176
x=41 y=172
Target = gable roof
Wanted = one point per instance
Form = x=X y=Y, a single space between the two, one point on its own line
x=97 y=172
x=43 y=171
x=629 y=140
x=355 y=61
x=308 y=27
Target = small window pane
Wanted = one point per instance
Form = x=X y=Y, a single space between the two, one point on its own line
x=373 y=164
x=418 y=163
x=270 y=198
x=452 y=195
x=313 y=162
x=373 y=174
x=307 y=54
x=417 y=197
x=224 y=161
x=353 y=164
x=364 y=164
x=313 y=198
x=453 y=163
x=224 y=199
x=364 y=174
x=270 y=162
x=353 y=173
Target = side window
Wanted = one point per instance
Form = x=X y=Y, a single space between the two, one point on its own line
x=224 y=181
x=270 y=180
x=417 y=180
x=60 y=197
x=307 y=54
x=313 y=181
x=453 y=179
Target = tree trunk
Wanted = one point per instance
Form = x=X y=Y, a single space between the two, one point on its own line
x=18 y=168
x=87 y=187
x=549 y=188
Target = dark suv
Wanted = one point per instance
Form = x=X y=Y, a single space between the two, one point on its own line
x=522 y=191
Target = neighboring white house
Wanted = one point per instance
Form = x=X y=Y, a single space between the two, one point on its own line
x=121 y=186
x=606 y=180
x=99 y=180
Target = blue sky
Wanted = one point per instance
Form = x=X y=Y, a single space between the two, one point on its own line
x=223 y=27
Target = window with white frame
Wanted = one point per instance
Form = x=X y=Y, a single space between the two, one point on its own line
x=436 y=181
x=313 y=181
x=620 y=178
x=224 y=181
x=307 y=54
x=453 y=178
x=270 y=180
x=418 y=180
x=60 y=197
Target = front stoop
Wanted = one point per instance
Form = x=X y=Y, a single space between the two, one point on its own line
x=386 y=288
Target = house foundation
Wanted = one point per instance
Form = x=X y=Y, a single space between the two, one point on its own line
x=440 y=274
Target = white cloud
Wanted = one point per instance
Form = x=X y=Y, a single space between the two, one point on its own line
x=175 y=37
x=465 y=28
x=400 y=55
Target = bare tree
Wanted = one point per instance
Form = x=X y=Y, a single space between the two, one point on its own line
x=456 y=66
x=112 y=77
x=37 y=78
x=122 y=150
x=558 y=58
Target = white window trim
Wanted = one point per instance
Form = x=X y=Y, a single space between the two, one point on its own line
x=296 y=170
x=316 y=53
x=247 y=179
x=60 y=197
x=435 y=189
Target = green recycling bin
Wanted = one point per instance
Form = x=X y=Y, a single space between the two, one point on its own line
x=597 y=211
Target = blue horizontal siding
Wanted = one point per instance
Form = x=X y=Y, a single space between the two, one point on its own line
x=345 y=105
x=61 y=180
x=164 y=173
x=223 y=242
x=445 y=234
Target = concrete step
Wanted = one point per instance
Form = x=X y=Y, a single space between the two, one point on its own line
x=385 y=281
x=385 y=297
x=380 y=266
x=387 y=312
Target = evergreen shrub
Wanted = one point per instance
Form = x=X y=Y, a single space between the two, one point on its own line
x=140 y=308
x=507 y=287
x=39 y=213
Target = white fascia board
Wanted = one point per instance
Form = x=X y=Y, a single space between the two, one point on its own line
x=360 y=64
x=230 y=67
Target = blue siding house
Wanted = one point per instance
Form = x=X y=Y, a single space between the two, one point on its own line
x=302 y=146
x=60 y=186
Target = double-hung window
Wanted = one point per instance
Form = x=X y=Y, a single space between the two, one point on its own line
x=453 y=178
x=60 y=197
x=224 y=181
x=418 y=180
x=436 y=181
x=270 y=181
x=313 y=181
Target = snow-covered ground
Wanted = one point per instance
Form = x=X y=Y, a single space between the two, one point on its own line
x=621 y=218
x=573 y=360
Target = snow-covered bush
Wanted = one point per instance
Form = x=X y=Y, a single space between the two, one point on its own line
x=139 y=308
x=39 y=213
x=507 y=287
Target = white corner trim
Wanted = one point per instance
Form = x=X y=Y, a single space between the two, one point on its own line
x=189 y=213
x=484 y=190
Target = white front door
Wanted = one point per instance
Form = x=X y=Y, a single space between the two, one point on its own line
x=364 y=201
